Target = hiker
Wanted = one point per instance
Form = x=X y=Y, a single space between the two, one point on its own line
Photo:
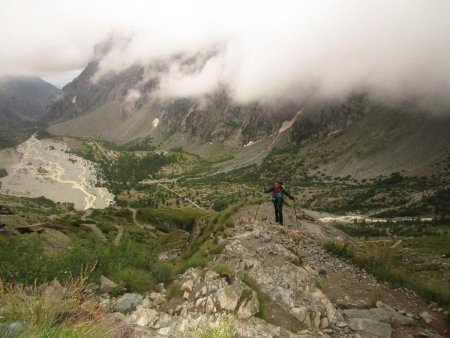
x=278 y=193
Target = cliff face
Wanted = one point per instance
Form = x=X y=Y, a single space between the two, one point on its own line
x=122 y=107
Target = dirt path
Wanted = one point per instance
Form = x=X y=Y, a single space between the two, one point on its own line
x=119 y=234
x=135 y=221
x=301 y=279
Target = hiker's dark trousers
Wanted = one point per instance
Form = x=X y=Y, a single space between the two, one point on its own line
x=278 y=212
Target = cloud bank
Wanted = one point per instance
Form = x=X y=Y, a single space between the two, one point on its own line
x=259 y=49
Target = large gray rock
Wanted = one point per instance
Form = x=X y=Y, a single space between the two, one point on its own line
x=106 y=285
x=144 y=317
x=12 y=329
x=228 y=297
x=128 y=302
x=383 y=313
x=187 y=286
x=369 y=326
x=249 y=307
x=426 y=317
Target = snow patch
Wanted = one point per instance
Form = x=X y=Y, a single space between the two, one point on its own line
x=289 y=123
x=250 y=143
x=155 y=122
x=334 y=132
x=74 y=100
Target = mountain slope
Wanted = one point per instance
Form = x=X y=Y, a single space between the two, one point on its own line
x=383 y=140
x=23 y=100
x=358 y=136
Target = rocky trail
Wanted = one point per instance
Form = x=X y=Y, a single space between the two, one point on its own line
x=285 y=276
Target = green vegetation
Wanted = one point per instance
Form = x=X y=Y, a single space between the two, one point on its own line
x=252 y=284
x=224 y=330
x=166 y=219
x=174 y=290
x=54 y=312
x=224 y=271
x=12 y=137
x=382 y=261
x=24 y=261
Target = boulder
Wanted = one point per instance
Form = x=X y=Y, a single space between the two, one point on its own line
x=90 y=306
x=106 y=285
x=300 y=313
x=210 y=307
x=249 y=306
x=211 y=275
x=228 y=297
x=128 y=302
x=426 y=317
x=165 y=331
x=187 y=286
x=13 y=329
x=144 y=317
x=369 y=326
x=383 y=313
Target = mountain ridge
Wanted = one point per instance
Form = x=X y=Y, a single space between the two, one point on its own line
x=24 y=100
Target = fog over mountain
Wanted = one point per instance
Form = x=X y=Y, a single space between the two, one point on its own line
x=259 y=49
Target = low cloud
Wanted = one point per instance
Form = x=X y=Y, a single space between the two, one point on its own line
x=260 y=50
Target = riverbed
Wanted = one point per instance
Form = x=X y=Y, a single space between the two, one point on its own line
x=47 y=168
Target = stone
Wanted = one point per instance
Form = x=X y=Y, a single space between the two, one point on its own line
x=369 y=326
x=210 y=308
x=211 y=275
x=383 y=313
x=200 y=302
x=426 y=317
x=165 y=331
x=228 y=297
x=128 y=302
x=300 y=313
x=14 y=329
x=324 y=323
x=119 y=317
x=329 y=307
x=90 y=306
x=106 y=285
x=144 y=317
x=249 y=307
x=91 y=288
x=341 y=324
x=316 y=319
x=186 y=295
x=187 y=286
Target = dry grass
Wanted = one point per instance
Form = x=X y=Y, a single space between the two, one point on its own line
x=53 y=310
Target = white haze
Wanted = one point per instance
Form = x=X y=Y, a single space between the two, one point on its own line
x=262 y=49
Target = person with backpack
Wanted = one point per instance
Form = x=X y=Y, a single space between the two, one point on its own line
x=278 y=193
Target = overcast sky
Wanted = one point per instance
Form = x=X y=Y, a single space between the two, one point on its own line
x=263 y=48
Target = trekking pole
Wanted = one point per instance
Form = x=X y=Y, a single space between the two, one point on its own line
x=256 y=214
x=295 y=212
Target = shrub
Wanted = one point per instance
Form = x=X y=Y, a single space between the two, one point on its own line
x=174 y=290
x=53 y=313
x=253 y=284
x=162 y=272
x=134 y=279
x=224 y=271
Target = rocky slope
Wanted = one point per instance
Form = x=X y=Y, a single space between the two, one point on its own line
x=24 y=100
x=125 y=106
x=280 y=274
